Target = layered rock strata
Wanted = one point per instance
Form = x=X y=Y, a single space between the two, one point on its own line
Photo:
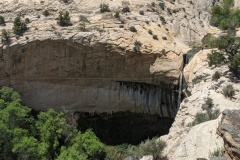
x=229 y=130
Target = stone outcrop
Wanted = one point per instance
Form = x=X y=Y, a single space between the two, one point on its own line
x=229 y=130
x=185 y=142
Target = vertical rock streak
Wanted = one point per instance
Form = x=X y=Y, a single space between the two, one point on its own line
x=153 y=98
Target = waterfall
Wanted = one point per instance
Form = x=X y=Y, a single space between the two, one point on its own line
x=180 y=88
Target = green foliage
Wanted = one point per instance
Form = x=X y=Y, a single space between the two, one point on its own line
x=104 y=8
x=216 y=76
x=208 y=104
x=191 y=53
x=83 y=20
x=133 y=29
x=27 y=20
x=126 y=9
x=210 y=41
x=216 y=58
x=19 y=26
x=150 y=32
x=162 y=19
x=155 y=37
x=5 y=35
x=117 y=14
x=137 y=46
x=210 y=114
x=235 y=64
x=46 y=13
x=228 y=91
x=217 y=153
x=2 y=21
x=64 y=19
x=141 y=12
x=224 y=16
x=198 y=79
x=162 y=5
x=152 y=147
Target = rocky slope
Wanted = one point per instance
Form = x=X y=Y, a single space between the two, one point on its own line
x=200 y=141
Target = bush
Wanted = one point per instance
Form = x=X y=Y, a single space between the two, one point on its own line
x=235 y=64
x=228 y=91
x=216 y=76
x=64 y=19
x=137 y=46
x=162 y=5
x=208 y=104
x=150 y=31
x=121 y=26
x=153 y=4
x=203 y=117
x=164 y=38
x=2 y=21
x=155 y=37
x=198 y=79
x=126 y=9
x=117 y=14
x=217 y=153
x=162 y=19
x=46 y=13
x=216 y=58
x=19 y=26
x=152 y=147
x=27 y=20
x=141 y=12
x=133 y=29
x=5 y=35
x=104 y=8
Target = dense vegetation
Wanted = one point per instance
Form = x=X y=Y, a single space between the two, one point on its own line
x=226 y=18
x=27 y=134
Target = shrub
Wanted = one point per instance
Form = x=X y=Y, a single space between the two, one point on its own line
x=150 y=31
x=153 y=4
x=162 y=19
x=216 y=58
x=117 y=14
x=216 y=76
x=126 y=9
x=203 y=117
x=2 y=21
x=5 y=35
x=46 y=13
x=217 y=153
x=141 y=12
x=64 y=19
x=152 y=147
x=169 y=11
x=133 y=29
x=235 y=64
x=19 y=26
x=208 y=104
x=198 y=79
x=162 y=5
x=137 y=46
x=27 y=20
x=104 y=8
x=228 y=91
x=121 y=26
x=164 y=38
x=155 y=37
x=210 y=41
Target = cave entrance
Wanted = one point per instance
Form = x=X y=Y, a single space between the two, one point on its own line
x=124 y=127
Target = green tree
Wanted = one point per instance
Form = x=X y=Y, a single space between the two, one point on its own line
x=19 y=26
x=51 y=127
x=235 y=64
x=2 y=21
x=64 y=19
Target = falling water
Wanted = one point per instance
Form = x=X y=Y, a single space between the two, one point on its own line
x=180 y=88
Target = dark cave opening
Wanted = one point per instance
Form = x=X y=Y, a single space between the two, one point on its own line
x=124 y=127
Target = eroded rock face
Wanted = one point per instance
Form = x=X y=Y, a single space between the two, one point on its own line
x=229 y=130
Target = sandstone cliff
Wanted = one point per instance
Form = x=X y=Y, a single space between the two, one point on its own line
x=66 y=67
